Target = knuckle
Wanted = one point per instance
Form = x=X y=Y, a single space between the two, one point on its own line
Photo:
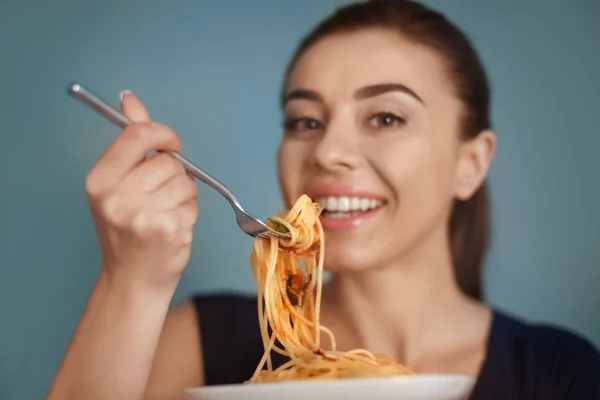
x=113 y=209
x=166 y=134
x=194 y=191
x=190 y=213
x=146 y=225
x=98 y=183
x=187 y=188
x=188 y=237
x=91 y=185
x=185 y=180
x=168 y=228
x=141 y=224
x=165 y=130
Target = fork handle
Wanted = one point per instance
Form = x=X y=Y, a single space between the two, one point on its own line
x=81 y=93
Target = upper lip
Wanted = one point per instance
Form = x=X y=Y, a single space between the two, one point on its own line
x=339 y=190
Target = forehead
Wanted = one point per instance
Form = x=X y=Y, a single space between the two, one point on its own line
x=341 y=63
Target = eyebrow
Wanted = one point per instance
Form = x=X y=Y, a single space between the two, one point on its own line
x=360 y=94
x=302 y=94
x=377 y=90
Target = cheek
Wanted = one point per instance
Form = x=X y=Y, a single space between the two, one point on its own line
x=404 y=164
x=429 y=190
x=419 y=172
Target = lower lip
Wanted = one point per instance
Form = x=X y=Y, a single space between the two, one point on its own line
x=344 y=223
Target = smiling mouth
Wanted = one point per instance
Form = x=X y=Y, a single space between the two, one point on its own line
x=343 y=207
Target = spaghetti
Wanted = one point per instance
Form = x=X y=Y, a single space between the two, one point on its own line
x=289 y=299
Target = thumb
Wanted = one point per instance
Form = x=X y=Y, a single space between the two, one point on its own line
x=133 y=108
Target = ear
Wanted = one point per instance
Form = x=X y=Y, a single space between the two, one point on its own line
x=474 y=159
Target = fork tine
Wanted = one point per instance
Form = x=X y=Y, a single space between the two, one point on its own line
x=268 y=234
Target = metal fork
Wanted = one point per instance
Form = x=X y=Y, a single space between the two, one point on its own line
x=245 y=220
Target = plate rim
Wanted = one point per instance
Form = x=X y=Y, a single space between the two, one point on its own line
x=288 y=385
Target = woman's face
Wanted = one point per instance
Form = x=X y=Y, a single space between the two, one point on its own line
x=372 y=134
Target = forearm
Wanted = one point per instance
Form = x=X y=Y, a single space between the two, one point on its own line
x=111 y=353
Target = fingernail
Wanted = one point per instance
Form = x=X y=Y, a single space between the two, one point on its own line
x=123 y=93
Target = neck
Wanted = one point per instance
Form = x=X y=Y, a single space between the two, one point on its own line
x=401 y=308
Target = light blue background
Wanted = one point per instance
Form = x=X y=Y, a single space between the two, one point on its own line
x=212 y=70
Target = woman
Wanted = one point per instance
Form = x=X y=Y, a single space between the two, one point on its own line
x=387 y=125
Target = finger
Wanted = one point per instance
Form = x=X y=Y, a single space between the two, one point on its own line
x=175 y=192
x=176 y=224
x=188 y=213
x=131 y=148
x=153 y=173
x=133 y=108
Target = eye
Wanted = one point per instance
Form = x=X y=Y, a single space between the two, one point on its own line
x=385 y=120
x=302 y=124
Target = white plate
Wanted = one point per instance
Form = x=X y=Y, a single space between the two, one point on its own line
x=413 y=387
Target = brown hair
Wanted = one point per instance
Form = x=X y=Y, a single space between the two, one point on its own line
x=469 y=227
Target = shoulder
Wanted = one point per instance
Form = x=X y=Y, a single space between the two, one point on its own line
x=554 y=360
x=550 y=341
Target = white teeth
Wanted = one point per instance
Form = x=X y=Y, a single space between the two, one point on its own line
x=331 y=204
x=364 y=204
x=343 y=205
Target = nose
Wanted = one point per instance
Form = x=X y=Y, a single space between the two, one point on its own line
x=338 y=149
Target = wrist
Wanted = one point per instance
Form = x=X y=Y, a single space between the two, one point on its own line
x=132 y=288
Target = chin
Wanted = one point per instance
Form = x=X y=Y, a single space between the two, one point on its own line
x=349 y=258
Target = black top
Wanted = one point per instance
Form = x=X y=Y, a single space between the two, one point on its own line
x=523 y=361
